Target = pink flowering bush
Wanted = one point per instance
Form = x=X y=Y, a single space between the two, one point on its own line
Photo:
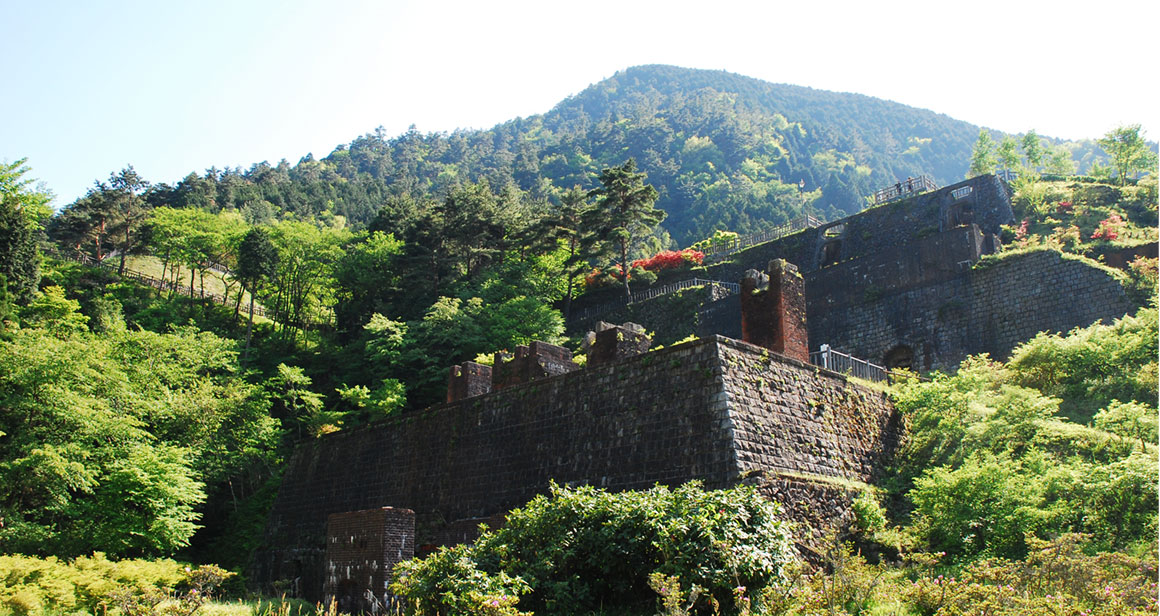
x=1110 y=228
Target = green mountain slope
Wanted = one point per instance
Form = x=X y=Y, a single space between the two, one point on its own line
x=724 y=151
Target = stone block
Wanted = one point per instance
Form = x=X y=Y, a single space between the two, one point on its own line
x=616 y=343
x=535 y=361
x=362 y=547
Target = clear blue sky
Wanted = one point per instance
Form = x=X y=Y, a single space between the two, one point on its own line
x=172 y=87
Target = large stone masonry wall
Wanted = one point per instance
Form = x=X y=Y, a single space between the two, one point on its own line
x=624 y=425
x=987 y=310
x=793 y=417
x=886 y=230
x=715 y=410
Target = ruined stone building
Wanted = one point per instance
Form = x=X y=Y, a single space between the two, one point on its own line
x=899 y=284
x=894 y=284
x=717 y=410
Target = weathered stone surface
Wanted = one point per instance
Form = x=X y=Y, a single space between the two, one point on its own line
x=714 y=409
x=467 y=381
x=988 y=310
x=898 y=288
x=773 y=310
x=536 y=361
x=361 y=549
x=614 y=343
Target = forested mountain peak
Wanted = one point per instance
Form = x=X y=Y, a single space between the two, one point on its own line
x=724 y=151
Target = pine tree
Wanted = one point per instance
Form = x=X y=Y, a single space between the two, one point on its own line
x=623 y=212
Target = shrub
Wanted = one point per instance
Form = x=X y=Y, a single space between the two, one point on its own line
x=869 y=516
x=670 y=259
x=93 y=585
x=581 y=550
x=1109 y=229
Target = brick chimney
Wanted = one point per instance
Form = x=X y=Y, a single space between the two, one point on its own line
x=773 y=310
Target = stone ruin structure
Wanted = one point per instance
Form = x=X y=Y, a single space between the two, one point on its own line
x=612 y=342
x=717 y=410
x=895 y=284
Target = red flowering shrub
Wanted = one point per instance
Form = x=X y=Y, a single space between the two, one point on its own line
x=1021 y=233
x=599 y=278
x=1109 y=228
x=670 y=259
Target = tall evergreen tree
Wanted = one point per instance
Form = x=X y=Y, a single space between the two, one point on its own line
x=564 y=226
x=20 y=209
x=623 y=212
x=127 y=188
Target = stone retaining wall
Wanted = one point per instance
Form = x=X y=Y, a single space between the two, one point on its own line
x=714 y=410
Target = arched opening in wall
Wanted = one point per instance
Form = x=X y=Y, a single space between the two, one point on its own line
x=348 y=596
x=900 y=357
x=831 y=251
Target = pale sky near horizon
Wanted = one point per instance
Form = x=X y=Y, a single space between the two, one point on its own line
x=173 y=87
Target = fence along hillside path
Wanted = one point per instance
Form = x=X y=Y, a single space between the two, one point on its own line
x=157 y=283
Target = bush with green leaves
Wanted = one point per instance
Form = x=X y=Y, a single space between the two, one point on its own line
x=1091 y=367
x=991 y=461
x=111 y=441
x=91 y=585
x=581 y=550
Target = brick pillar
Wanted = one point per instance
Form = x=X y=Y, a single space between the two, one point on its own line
x=773 y=310
x=362 y=547
x=468 y=380
x=536 y=361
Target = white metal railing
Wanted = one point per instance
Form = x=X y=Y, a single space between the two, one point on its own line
x=900 y=189
x=848 y=364
x=720 y=250
x=961 y=192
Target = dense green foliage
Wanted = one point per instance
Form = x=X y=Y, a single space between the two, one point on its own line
x=112 y=441
x=580 y=550
x=724 y=151
x=992 y=461
x=21 y=211
x=623 y=211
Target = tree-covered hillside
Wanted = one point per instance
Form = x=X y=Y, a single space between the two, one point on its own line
x=724 y=151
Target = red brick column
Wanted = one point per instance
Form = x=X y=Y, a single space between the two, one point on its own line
x=773 y=310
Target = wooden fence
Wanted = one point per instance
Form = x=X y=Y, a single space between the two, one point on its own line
x=152 y=281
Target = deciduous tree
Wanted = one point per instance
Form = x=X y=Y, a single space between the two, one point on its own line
x=982 y=155
x=1130 y=153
